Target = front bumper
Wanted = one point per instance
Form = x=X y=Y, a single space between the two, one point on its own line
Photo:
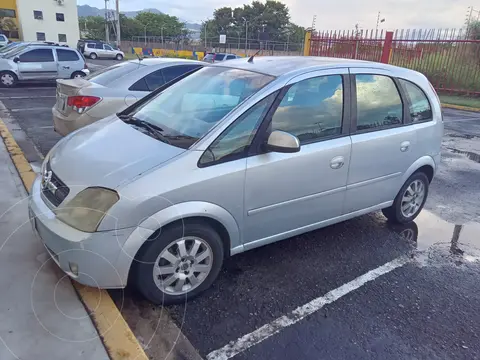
x=93 y=255
x=86 y=72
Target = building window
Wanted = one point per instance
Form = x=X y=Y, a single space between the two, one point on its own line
x=7 y=13
x=37 y=15
x=62 y=37
x=60 y=17
x=40 y=36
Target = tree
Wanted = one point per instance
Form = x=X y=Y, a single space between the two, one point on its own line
x=473 y=30
x=271 y=18
x=92 y=27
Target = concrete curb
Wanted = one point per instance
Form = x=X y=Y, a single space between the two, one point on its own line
x=460 y=107
x=116 y=335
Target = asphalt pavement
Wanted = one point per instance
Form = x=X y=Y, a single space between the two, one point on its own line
x=355 y=290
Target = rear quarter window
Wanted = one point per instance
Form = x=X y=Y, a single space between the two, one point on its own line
x=419 y=106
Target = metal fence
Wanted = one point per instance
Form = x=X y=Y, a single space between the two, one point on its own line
x=232 y=45
x=449 y=58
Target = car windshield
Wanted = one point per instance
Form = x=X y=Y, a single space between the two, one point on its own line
x=111 y=73
x=187 y=110
x=15 y=50
x=8 y=47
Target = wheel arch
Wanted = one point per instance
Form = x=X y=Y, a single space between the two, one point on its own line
x=424 y=164
x=217 y=217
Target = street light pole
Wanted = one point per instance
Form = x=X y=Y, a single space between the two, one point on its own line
x=145 y=34
x=161 y=34
x=246 y=35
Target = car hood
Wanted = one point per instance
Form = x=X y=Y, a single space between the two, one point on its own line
x=108 y=153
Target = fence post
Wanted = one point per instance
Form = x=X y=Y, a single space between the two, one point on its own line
x=307 y=43
x=387 y=45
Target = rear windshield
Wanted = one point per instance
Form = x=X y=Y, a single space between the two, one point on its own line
x=112 y=73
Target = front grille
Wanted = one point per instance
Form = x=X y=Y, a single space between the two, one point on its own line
x=56 y=193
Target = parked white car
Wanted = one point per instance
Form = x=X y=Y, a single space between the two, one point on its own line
x=3 y=40
x=95 y=50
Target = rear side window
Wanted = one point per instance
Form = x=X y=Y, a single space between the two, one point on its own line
x=67 y=55
x=91 y=46
x=173 y=72
x=420 y=109
x=379 y=104
x=112 y=73
x=312 y=109
x=149 y=82
x=98 y=46
x=230 y=57
x=219 y=57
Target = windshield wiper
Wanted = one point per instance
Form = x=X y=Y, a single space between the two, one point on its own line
x=152 y=129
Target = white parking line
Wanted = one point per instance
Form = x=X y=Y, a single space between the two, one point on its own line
x=30 y=109
x=264 y=332
x=26 y=97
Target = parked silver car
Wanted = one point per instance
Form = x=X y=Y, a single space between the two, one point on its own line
x=219 y=57
x=81 y=102
x=3 y=40
x=235 y=156
x=95 y=50
x=41 y=62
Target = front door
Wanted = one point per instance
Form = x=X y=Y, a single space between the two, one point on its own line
x=383 y=146
x=37 y=64
x=286 y=194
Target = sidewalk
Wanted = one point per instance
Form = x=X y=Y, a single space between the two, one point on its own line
x=41 y=316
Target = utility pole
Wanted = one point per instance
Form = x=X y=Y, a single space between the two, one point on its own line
x=206 y=35
x=118 y=22
x=107 y=32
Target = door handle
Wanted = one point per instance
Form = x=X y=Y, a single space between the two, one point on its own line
x=337 y=162
x=404 y=146
x=66 y=67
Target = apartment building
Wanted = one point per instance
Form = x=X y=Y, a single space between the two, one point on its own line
x=40 y=20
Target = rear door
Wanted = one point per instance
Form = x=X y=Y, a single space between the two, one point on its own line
x=37 y=64
x=68 y=61
x=383 y=146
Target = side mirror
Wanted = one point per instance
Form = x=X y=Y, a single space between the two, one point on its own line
x=283 y=142
x=16 y=59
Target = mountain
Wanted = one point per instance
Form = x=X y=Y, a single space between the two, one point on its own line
x=86 y=10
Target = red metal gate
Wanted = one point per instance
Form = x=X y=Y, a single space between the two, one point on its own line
x=449 y=58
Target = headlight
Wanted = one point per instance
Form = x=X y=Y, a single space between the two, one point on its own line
x=87 y=209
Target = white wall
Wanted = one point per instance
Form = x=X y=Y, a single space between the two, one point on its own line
x=29 y=26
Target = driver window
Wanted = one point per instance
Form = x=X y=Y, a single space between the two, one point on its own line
x=234 y=142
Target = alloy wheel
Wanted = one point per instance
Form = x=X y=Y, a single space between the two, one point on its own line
x=183 y=265
x=412 y=199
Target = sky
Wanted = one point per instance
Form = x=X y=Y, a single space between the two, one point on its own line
x=331 y=15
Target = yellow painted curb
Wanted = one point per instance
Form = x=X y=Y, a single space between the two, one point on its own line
x=118 y=338
x=460 y=107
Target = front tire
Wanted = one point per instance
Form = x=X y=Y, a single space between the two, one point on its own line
x=119 y=57
x=8 y=79
x=93 y=56
x=178 y=264
x=410 y=200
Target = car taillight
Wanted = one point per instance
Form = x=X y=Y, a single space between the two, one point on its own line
x=80 y=103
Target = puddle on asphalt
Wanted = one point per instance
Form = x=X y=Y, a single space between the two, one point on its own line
x=436 y=238
x=471 y=155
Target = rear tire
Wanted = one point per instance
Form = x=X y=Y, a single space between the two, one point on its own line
x=176 y=284
x=77 y=74
x=93 y=56
x=8 y=79
x=409 y=200
x=119 y=57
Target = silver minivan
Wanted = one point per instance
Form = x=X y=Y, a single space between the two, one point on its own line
x=235 y=156
x=41 y=62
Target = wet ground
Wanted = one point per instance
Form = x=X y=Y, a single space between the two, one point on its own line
x=355 y=290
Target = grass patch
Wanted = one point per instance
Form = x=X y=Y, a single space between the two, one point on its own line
x=460 y=100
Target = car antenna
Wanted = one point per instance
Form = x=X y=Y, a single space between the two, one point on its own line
x=250 y=60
